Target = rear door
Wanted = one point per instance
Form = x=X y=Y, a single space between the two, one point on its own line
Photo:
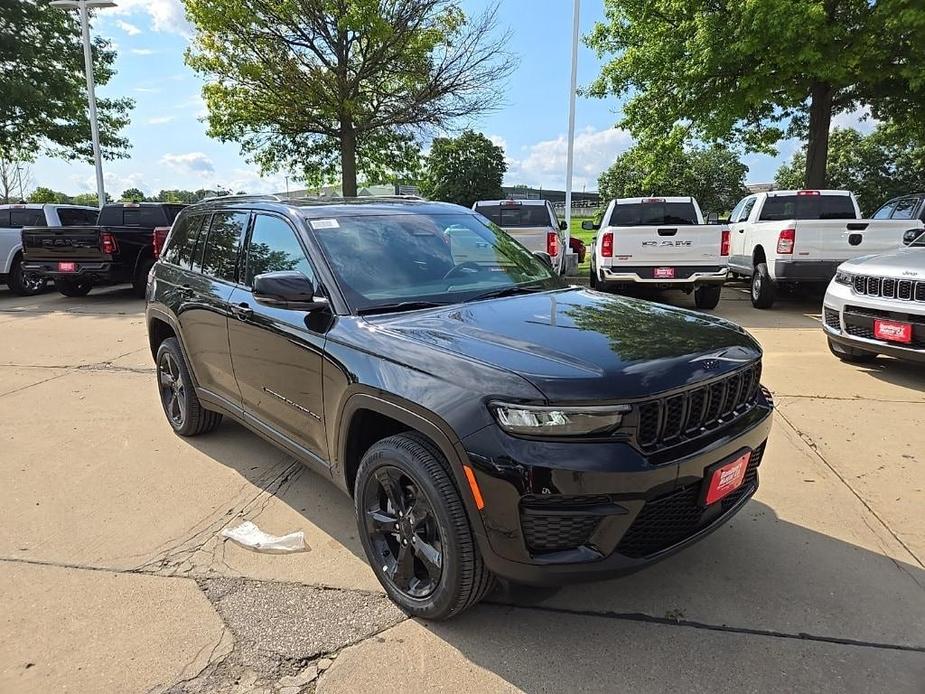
x=656 y=231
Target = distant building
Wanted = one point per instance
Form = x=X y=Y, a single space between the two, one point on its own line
x=556 y=197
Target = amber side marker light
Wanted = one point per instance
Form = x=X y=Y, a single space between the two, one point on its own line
x=474 y=486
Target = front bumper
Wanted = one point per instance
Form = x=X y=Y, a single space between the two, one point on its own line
x=645 y=274
x=848 y=319
x=98 y=272
x=559 y=512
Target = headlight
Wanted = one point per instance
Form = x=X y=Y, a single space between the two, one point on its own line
x=842 y=277
x=558 y=421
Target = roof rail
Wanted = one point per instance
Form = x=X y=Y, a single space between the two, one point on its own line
x=354 y=198
x=272 y=198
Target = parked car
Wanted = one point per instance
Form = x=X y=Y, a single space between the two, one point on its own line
x=660 y=242
x=486 y=419
x=903 y=207
x=799 y=237
x=12 y=219
x=118 y=247
x=535 y=225
x=876 y=305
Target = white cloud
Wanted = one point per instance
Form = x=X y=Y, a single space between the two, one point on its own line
x=859 y=119
x=252 y=182
x=164 y=15
x=160 y=120
x=113 y=183
x=498 y=141
x=543 y=163
x=147 y=90
x=129 y=29
x=142 y=51
x=191 y=162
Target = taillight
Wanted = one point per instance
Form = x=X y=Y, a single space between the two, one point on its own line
x=552 y=244
x=607 y=244
x=724 y=243
x=785 y=241
x=108 y=243
x=157 y=242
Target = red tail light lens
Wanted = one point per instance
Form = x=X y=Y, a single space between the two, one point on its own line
x=724 y=243
x=552 y=243
x=607 y=245
x=157 y=243
x=785 y=241
x=108 y=243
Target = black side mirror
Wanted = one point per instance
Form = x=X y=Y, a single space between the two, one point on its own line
x=911 y=235
x=563 y=226
x=589 y=225
x=544 y=256
x=291 y=290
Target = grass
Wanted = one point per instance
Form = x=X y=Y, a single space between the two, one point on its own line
x=585 y=236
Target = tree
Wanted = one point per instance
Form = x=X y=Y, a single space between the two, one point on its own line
x=751 y=73
x=133 y=195
x=90 y=199
x=326 y=86
x=464 y=169
x=713 y=175
x=43 y=194
x=43 y=93
x=15 y=175
x=875 y=167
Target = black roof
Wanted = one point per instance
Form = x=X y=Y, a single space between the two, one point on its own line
x=314 y=208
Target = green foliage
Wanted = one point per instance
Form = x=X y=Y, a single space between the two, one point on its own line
x=713 y=175
x=133 y=195
x=321 y=87
x=90 y=199
x=750 y=73
x=464 y=169
x=43 y=92
x=43 y=194
x=187 y=196
x=875 y=167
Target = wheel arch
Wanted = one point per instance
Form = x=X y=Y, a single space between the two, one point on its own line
x=758 y=255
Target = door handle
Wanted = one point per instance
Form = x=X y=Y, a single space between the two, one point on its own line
x=741 y=231
x=242 y=311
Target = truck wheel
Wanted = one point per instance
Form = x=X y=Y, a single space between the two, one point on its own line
x=74 y=287
x=140 y=282
x=763 y=289
x=184 y=411
x=23 y=284
x=414 y=528
x=707 y=296
x=852 y=356
x=593 y=282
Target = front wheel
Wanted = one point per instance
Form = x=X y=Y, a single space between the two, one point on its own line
x=24 y=283
x=707 y=296
x=414 y=529
x=74 y=287
x=763 y=290
x=849 y=355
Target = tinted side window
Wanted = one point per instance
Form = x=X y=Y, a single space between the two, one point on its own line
x=904 y=208
x=734 y=215
x=74 y=217
x=4 y=218
x=885 y=211
x=183 y=236
x=111 y=216
x=221 y=252
x=747 y=210
x=274 y=248
x=27 y=218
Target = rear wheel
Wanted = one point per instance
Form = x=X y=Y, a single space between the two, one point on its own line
x=852 y=356
x=593 y=282
x=184 y=411
x=140 y=282
x=763 y=290
x=707 y=296
x=24 y=283
x=74 y=287
x=414 y=529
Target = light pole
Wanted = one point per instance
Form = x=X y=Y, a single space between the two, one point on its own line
x=83 y=7
x=571 y=114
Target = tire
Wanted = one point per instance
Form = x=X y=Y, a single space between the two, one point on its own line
x=435 y=526
x=22 y=284
x=763 y=290
x=707 y=296
x=593 y=282
x=181 y=405
x=140 y=282
x=849 y=355
x=74 y=287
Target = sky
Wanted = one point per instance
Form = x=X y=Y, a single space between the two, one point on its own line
x=171 y=149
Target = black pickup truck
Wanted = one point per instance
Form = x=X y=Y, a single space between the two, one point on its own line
x=120 y=249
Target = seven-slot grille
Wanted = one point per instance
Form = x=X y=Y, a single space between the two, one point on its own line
x=673 y=419
x=889 y=288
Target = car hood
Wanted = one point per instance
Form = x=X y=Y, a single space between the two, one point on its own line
x=576 y=344
x=903 y=263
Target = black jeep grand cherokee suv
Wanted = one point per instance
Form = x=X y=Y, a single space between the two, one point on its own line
x=487 y=420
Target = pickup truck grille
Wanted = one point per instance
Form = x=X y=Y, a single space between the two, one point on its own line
x=670 y=420
x=889 y=288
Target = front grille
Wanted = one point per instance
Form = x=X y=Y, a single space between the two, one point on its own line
x=671 y=420
x=673 y=518
x=868 y=334
x=831 y=318
x=859 y=322
x=889 y=288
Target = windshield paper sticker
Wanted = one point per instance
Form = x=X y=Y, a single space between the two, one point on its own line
x=324 y=224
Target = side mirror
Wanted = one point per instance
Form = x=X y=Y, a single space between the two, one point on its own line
x=291 y=290
x=545 y=257
x=563 y=226
x=911 y=235
x=589 y=225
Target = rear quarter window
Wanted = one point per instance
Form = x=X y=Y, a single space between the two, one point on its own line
x=27 y=218
x=182 y=240
x=223 y=245
x=781 y=207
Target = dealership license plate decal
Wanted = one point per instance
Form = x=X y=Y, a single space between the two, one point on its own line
x=894 y=331
x=664 y=273
x=67 y=267
x=727 y=478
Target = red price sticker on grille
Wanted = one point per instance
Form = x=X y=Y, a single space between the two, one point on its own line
x=892 y=330
x=664 y=273
x=727 y=478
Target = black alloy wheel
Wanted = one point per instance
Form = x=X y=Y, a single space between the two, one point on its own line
x=184 y=411
x=173 y=393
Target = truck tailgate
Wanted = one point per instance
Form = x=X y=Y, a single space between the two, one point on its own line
x=843 y=239
x=534 y=238
x=681 y=244
x=62 y=243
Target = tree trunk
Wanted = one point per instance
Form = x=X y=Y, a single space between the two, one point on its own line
x=348 y=158
x=817 y=147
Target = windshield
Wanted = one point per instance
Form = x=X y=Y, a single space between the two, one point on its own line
x=391 y=259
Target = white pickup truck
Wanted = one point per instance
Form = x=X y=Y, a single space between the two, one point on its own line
x=799 y=237
x=12 y=219
x=660 y=242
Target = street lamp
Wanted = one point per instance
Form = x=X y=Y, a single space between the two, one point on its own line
x=83 y=6
x=573 y=87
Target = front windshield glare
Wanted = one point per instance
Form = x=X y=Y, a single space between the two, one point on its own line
x=382 y=260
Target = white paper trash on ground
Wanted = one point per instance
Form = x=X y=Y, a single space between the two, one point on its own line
x=249 y=535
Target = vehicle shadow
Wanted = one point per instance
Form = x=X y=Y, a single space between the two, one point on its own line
x=758 y=573
x=896 y=372
x=103 y=300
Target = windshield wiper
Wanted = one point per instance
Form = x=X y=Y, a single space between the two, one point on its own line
x=399 y=306
x=507 y=291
